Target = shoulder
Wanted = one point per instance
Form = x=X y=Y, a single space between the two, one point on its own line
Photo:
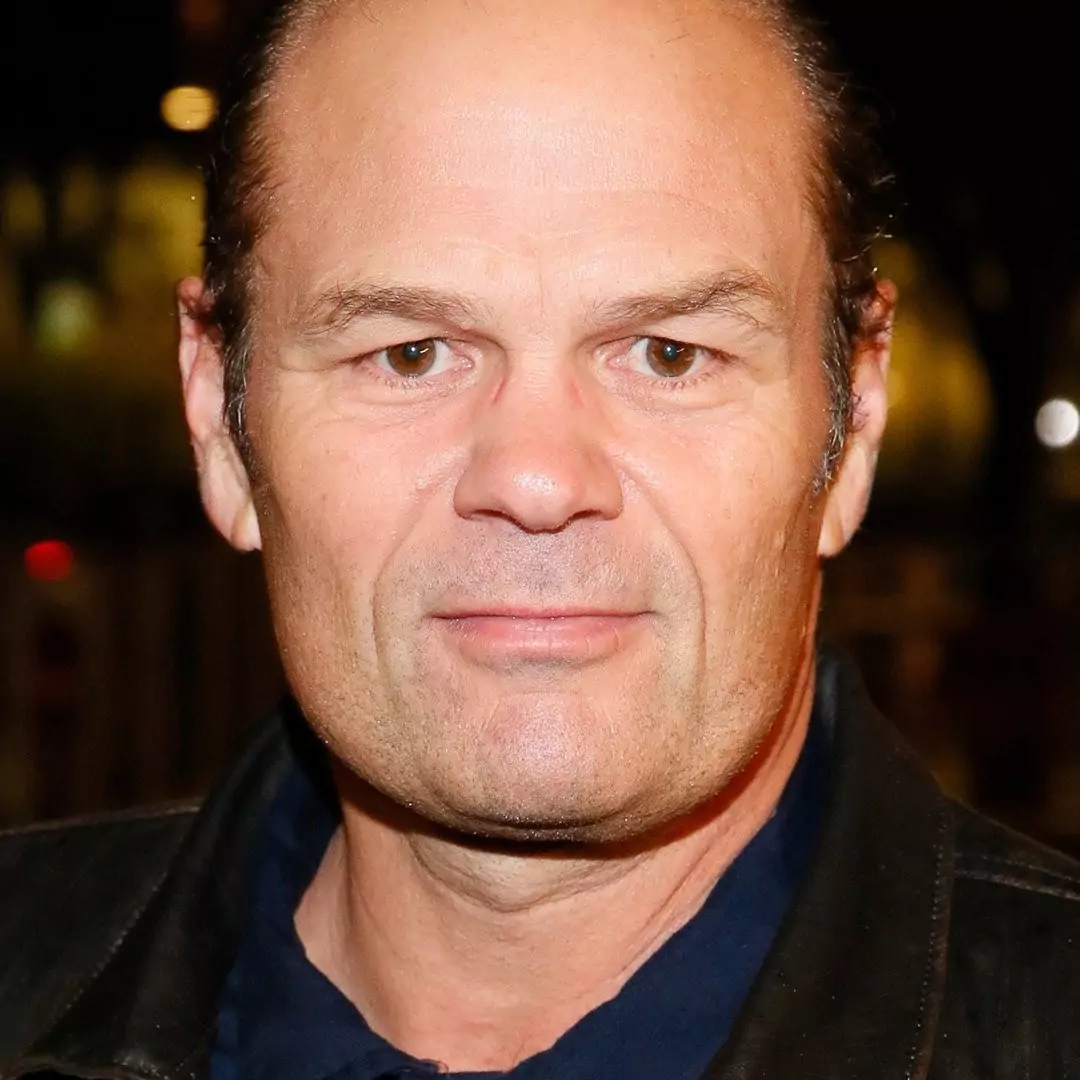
x=59 y=859
x=68 y=892
x=94 y=828
x=1016 y=905
x=1013 y=977
x=993 y=855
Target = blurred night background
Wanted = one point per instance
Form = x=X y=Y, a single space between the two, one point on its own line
x=135 y=651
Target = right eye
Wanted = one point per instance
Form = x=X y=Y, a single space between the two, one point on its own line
x=414 y=359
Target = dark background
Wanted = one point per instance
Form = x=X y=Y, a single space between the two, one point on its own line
x=133 y=676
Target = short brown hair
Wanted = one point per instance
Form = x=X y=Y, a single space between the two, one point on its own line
x=847 y=180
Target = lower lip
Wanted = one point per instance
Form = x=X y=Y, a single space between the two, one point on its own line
x=564 y=639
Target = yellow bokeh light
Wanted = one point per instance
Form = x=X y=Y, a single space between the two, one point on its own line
x=941 y=405
x=69 y=320
x=189 y=108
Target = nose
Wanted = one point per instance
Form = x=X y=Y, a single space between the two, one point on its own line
x=540 y=457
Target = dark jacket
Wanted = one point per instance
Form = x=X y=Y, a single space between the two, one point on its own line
x=925 y=942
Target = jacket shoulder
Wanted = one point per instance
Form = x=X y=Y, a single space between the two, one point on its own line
x=69 y=891
x=996 y=855
x=1012 y=992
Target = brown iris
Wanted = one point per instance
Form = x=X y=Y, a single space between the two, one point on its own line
x=669 y=358
x=411 y=358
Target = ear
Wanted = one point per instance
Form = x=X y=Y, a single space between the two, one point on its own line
x=223 y=480
x=849 y=492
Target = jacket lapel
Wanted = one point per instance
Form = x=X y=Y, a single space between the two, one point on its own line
x=851 y=989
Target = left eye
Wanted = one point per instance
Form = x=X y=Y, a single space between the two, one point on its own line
x=666 y=357
x=414 y=359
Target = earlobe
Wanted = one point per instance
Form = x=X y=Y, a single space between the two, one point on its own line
x=223 y=480
x=847 y=498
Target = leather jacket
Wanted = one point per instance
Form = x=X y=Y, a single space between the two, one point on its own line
x=924 y=942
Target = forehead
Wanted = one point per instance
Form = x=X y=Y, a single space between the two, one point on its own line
x=537 y=130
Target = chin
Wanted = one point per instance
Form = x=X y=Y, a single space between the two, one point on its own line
x=537 y=767
x=574 y=808
x=539 y=828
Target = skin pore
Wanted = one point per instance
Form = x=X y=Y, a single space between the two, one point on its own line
x=538 y=408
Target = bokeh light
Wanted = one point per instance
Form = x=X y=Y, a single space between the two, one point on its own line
x=189 y=108
x=941 y=407
x=1057 y=423
x=69 y=319
x=49 y=560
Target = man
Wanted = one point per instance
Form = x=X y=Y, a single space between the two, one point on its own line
x=540 y=355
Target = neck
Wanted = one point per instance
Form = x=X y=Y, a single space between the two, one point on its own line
x=480 y=956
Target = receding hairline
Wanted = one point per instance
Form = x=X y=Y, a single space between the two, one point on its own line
x=307 y=17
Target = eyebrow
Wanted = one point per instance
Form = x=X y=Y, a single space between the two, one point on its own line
x=745 y=294
x=334 y=311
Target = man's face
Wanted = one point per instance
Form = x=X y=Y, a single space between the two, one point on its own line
x=537 y=404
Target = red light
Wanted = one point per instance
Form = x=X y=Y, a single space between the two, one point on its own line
x=49 y=560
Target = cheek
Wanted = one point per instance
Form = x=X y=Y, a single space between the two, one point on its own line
x=736 y=492
x=738 y=482
x=343 y=484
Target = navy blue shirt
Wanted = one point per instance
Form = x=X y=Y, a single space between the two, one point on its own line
x=282 y=1019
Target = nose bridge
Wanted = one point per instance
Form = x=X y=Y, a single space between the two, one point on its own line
x=541 y=392
x=541 y=450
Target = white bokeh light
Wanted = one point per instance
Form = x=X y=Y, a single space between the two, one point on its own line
x=1057 y=423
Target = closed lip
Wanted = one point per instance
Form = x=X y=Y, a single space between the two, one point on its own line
x=499 y=635
x=538 y=613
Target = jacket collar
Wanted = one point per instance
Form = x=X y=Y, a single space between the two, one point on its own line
x=850 y=989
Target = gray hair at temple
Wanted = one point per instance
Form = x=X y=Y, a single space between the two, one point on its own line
x=846 y=181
